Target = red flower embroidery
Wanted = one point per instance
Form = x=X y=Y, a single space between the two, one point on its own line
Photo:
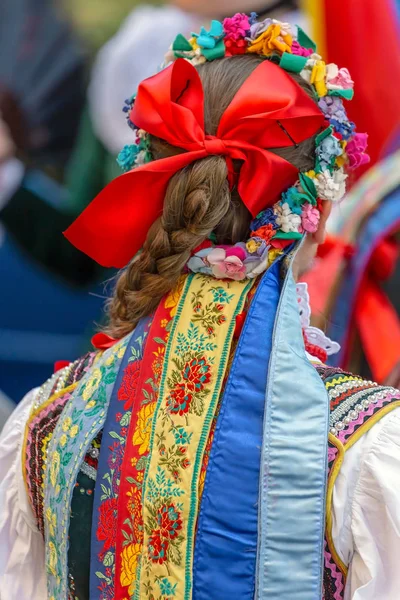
x=179 y=400
x=196 y=373
x=106 y=530
x=130 y=380
x=169 y=521
x=158 y=548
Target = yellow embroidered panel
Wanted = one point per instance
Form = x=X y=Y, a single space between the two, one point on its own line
x=195 y=364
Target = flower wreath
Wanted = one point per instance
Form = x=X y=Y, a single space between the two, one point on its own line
x=338 y=147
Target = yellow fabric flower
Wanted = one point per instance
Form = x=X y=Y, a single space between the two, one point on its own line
x=174 y=296
x=271 y=41
x=54 y=468
x=92 y=385
x=90 y=404
x=252 y=246
x=193 y=43
x=130 y=557
x=63 y=440
x=163 y=323
x=52 y=564
x=273 y=255
x=74 y=431
x=66 y=423
x=51 y=520
x=318 y=78
x=141 y=437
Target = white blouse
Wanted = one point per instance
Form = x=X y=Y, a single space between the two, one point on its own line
x=366 y=515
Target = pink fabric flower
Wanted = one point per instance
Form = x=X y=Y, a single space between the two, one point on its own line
x=299 y=50
x=228 y=263
x=236 y=27
x=356 y=151
x=309 y=218
x=343 y=80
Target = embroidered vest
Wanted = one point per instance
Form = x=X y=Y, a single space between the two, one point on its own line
x=355 y=406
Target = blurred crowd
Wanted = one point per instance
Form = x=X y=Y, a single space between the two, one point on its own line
x=61 y=128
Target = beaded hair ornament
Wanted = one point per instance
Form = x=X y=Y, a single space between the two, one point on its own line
x=338 y=147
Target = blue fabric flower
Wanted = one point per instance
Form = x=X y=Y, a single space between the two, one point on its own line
x=127 y=157
x=209 y=39
x=253 y=18
x=345 y=128
x=265 y=217
x=327 y=151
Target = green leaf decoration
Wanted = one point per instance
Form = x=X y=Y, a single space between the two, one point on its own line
x=291 y=235
x=181 y=44
x=304 y=40
x=309 y=188
x=214 y=53
x=292 y=63
x=324 y=134
x=346 y=94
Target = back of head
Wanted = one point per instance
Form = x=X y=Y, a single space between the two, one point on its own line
x=199 y=202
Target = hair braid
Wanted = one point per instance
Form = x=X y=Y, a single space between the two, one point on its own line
x=197 y=199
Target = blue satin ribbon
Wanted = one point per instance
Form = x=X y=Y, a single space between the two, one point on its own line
x=226 y=541
x=293 y=466
x=135 y=348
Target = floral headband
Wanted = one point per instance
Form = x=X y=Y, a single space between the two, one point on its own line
x=298 y=208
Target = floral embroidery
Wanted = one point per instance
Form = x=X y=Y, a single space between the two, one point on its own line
x=81 y=420
x=115 y=436
x=189 y=390
x=130 y=540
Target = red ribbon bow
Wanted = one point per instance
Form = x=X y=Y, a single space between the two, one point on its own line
x=270 y=110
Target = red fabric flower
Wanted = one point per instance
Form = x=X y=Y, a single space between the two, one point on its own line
x=130 y=380
x=265 y=232
x=233 y=47
x=107 y=530
x=196 y=373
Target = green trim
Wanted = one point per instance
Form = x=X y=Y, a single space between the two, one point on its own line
x=204 y=438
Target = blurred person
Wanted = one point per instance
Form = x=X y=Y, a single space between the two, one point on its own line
x=363 y=258
x=135 y=52
x=187 y=456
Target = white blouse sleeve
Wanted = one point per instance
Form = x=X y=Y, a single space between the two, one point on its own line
x=366 y=506
x=22 y=571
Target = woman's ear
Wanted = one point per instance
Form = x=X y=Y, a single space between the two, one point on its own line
x=319 y=235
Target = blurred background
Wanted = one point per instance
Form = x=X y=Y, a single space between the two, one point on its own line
x=66 y=68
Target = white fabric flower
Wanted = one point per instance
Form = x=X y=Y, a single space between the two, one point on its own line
x=331 y=187
x=288 y=221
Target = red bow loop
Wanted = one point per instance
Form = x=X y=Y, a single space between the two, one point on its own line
x=270 y=110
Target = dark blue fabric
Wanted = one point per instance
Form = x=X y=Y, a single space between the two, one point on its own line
x=136 y=349
x=226 y=542
x=377 y=227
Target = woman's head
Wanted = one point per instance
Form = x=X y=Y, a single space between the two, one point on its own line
x=199 y=202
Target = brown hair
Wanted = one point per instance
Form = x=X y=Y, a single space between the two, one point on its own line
x=198 y=202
